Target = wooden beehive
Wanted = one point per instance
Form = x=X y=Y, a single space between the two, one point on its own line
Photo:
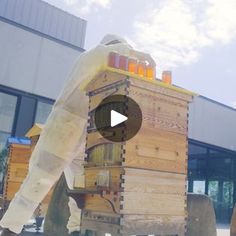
x=144 y=178
x=17 y=168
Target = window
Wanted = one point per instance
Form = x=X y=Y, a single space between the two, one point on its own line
x=197 y=162
x=213 y=190
x=43 y=111
x=211 y=171
x=199 y=186
x=7 y=114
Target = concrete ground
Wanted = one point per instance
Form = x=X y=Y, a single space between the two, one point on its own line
x=220 y=232
x=223 y=230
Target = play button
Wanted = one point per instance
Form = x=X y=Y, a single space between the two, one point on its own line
x=117 y=118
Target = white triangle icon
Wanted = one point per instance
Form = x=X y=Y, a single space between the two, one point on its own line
x=117 y=118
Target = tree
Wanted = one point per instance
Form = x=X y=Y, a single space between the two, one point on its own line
x=3 y=166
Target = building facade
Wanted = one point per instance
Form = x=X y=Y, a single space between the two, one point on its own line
x=39 y=44
x=212 y=154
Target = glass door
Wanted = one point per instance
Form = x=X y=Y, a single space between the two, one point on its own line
x=221 y=193
x=227 y=201
x=213 y=193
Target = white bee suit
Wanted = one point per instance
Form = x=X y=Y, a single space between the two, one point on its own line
x=61 y=146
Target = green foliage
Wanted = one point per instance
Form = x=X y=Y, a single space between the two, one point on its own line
x=3 y=167
x=3 y=160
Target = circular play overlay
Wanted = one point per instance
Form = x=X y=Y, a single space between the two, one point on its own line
x=118 y=118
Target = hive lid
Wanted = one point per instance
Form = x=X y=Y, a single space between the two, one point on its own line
x=118 y=75
x=18 y=140
x=35 y=130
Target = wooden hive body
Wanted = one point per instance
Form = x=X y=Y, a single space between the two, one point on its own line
x=144 y=178
x=17 y=170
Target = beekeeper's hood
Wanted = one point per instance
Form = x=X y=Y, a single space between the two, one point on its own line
x=110 y=39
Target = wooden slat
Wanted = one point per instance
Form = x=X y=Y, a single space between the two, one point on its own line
x=146 y=181
x=104 y=79
x=12 y=189
x=99 y=204
x=160 y=90
x=99 y=227
x=19 y=155
x=153 y=203
x=156 y=99
x=157 y=150
x=96 y=99
x=153 y=225
x=91 y=175
x=17 y=172
x=19 y=150
x=159 y=138
x=161 y=163
x=157 y=112
x=19 y=146
x=105 y=154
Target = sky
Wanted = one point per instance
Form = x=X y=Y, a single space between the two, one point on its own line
x=195 y=39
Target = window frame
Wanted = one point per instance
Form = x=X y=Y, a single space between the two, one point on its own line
x=42 y=101
x=16 y=111
x=19 y=94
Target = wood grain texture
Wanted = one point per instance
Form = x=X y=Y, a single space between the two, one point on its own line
x=153 y=203
x=157 y=150
x=105 y=155
x=12 y=189
x=159 y=90
x=152 y=224
x=17 y=172
x=17 y=169
x=99 y=228
x=19 y=154
x=105 y=79
x=97 y=98
x=98 y=204
x=91 y=176
x=164 y=113
x=150 y=179
x=146 y=181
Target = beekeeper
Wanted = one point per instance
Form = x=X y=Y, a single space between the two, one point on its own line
x=61 y=146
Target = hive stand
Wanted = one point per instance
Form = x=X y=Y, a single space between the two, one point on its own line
x=138 y=187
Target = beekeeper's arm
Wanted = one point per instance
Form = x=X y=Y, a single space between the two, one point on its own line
x=59 y=140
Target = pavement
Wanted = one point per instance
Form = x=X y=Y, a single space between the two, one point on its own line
x=223 y=230
x=220 y=232
x=31 y=234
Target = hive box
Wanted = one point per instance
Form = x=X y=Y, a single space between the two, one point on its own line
x=17 y=169
x=143 y=180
